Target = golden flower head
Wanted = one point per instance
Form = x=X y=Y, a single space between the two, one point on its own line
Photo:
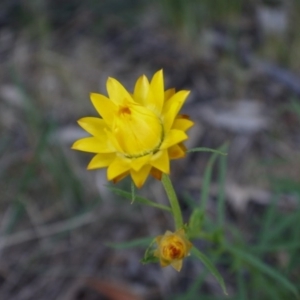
x=172 y=248
x=138 y=133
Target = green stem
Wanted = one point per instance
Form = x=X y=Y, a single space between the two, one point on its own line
x=173 y=201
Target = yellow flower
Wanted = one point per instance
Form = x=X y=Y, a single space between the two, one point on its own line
x=172 y=248
x=138 y=133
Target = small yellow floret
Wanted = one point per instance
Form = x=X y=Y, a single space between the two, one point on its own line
x=172 y=248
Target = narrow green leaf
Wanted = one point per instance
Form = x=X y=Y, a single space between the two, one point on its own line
x=281 y=226
x=142 y=242
x=241 y=285
x=149 y=260
x=132 y=192
x=149 y=256
x=267 y=221
x=206 y=181
x=204 y=149
x=196 y=222
x=139 y=199
x=208 y=173
x=272 y=248
x=210 y=267
x=189 y=201
x=221 y=192
x=258 y=264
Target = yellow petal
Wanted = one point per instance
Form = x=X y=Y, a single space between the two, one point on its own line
x=114 y=142
x=172 y=107
x=161 y=161
x=177 y=264
x=156 y=253
x=118 y=167
x=140 y=177
x=169 y=93
x=93 y=145
x=141 y=90
x=168 y=232
x=164 y=263
x=176 y=152
x=157 y=87
x=181 y=232
x=158 y=239
x=183 y=123
x=138 y=163
x=105 y=107
x=157 y=174
x=173 y=137
x=101 y=160
x=116 y=91
x=94 y=126
x=120 y=177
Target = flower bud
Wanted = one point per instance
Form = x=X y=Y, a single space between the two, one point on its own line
x=172 y=248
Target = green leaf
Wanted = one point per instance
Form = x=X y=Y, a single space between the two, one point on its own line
x=149 y=254
x=189 y=201
x=262 y=267
x=210 y=267
x=221 y=192
x=204 y=149
x=196 y=222
x=207 y=180
x=294 y=245
x=139 y=199
x=280 y=227
x=149 y=259
x=143 y=242
x=132 y=192
x=208 y=173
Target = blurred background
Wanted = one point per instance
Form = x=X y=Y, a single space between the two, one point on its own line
x=60 y=225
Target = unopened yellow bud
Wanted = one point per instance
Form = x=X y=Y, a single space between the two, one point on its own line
x=172 y=248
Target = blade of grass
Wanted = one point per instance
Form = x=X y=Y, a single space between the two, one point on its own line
x=139 y=199
x=58 y=165
x=204 y=149
x=143 y=242
x=210 y=267
x=294 y=245
x=221 y=193
x=208 y=173
x=241 y=285
x=281 y=226
x=26 y=177
x=187 y=198
x=132 y=192
x=294 y=251
x=269 y=290
x=263 y=268
x=206 y=181
x=268 y=219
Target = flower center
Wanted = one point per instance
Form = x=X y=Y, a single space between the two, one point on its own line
x=173 y=250
x=124 y=110
x=138 y=130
